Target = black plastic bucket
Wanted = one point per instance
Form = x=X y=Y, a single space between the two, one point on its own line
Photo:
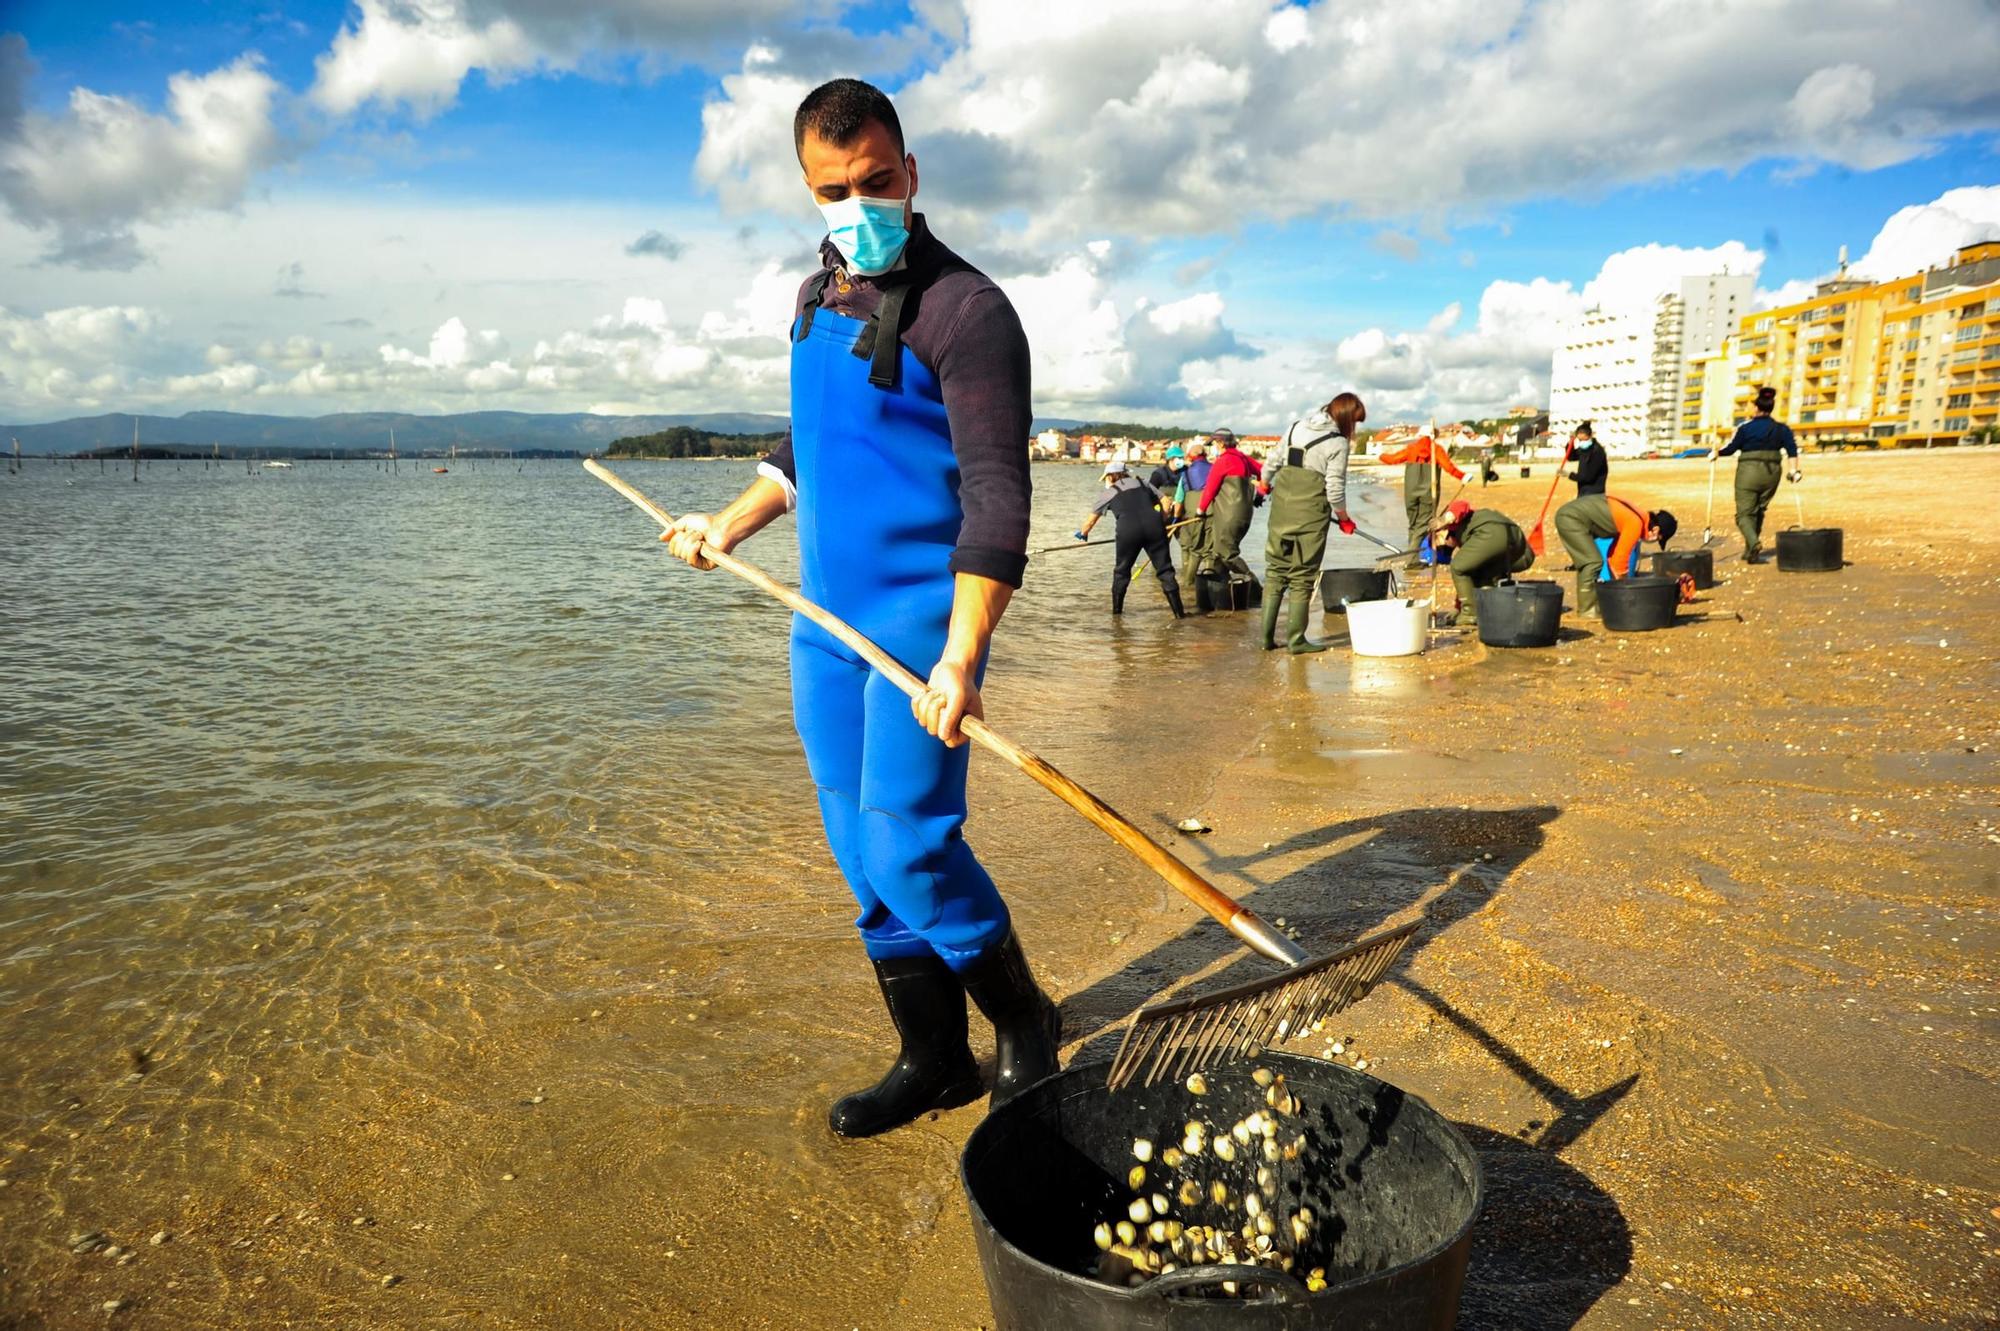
x=1520 y=614
x=1699 y=563
x=1215 y=591
x=1395 y=1187
x=1635 y=604
x=1355 y=584
x=1809 y=550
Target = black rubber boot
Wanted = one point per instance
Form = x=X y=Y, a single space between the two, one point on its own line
x=1295 y=627
x=936 y=1069
x=1271 y=604
x=1027 y=1031
x=1172 y=587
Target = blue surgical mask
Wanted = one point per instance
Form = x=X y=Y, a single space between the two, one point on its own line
x=869 y=233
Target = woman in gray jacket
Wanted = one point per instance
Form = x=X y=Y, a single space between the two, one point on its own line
x=1308 y=480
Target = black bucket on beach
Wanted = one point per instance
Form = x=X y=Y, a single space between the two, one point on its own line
x=1394 y=1186
x=1810 y=550
x=1698 y=564
x=1524 y=473
x=1520 y=614
x=1218 y=591
x=1636 y=604
x=1353 y=584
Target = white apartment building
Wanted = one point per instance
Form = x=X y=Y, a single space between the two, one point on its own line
x=1603 y=373
x=1626 y=370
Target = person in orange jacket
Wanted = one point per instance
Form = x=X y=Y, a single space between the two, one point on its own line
x=1421 y=462
x=1583 y=521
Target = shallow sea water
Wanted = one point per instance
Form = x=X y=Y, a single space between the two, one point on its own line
x=416 y=876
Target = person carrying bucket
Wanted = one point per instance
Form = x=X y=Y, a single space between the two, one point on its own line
x=1758 y=443
x=1592 y=467
x=1486 y=545
x=1136 y=508
x=1227 y=501
x=1583 y=522
x=1421 y=461
x=1308 y=483
x=907 y=467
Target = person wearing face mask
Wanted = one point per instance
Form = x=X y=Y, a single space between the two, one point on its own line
x=907 y=467
x=1592 y=467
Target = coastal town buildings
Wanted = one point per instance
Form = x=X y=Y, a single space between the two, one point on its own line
x=1912 y=361
x=1626 y=370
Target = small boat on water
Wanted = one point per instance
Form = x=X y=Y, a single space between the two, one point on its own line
x=277 y=466
x=440 y=470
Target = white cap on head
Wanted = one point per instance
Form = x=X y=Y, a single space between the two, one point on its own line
x=1114 y=469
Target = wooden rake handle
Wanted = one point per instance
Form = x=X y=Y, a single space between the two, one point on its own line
x=1243 y=923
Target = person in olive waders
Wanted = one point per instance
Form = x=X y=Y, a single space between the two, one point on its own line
x=1583 y=522
x=1486 y=546
x=1760 y=444
x=1228 y=500
x=1421 y=461
x=1308 y=496
x=908 y=469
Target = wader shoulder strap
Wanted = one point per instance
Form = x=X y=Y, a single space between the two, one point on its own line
x=883 y=354
x=815 y=292
x=1296 y=457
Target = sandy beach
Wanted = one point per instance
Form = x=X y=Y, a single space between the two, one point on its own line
x=1707 y=976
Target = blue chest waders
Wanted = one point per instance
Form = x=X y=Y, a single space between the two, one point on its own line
x=878 y=517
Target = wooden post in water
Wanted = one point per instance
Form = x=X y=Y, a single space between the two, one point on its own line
x=15 y=470
x=392 y=449
x=135 y=449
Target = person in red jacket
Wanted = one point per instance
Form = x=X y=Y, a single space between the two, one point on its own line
x=1421 y=461
x=1227 y=499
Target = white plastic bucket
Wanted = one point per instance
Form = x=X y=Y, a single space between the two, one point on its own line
x=1398 y=626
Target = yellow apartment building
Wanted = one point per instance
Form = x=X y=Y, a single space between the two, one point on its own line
x=1915 y=361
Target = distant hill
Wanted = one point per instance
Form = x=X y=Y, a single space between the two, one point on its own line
x=577 y=432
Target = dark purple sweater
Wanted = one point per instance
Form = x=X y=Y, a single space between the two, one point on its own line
x=962 y=328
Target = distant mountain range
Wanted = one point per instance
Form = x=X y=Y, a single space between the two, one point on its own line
x=578 y=432
x=575 y=431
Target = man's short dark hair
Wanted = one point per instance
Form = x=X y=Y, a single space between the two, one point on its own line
x=840 y=110
x=1585 y=430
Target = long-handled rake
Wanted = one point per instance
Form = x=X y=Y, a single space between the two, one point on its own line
x=1181 y=1035
x=1085 y=545
x=1536 y=541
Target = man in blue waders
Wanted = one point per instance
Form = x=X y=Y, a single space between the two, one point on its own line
x=908 y=469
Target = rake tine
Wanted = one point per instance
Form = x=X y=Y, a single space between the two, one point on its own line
x=1181 y=1036
x=1163 y=1048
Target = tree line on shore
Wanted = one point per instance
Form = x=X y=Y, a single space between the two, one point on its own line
x=684 y=441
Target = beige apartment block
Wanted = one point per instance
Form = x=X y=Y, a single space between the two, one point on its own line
x=1914 y=361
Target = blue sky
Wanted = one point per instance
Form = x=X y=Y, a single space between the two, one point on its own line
x=1223 y=209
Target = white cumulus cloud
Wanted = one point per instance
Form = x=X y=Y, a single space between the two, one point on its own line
x=1153 y=117
x=1924 y=235
x=90 y=174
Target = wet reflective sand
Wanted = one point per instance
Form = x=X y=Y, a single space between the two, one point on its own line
x=414 y=880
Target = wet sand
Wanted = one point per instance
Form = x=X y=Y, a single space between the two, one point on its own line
x=1707 y=975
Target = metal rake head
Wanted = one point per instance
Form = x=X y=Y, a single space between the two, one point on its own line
x=1183 y=1035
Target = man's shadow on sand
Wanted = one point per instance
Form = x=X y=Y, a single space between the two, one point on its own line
x=1549 y=1242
